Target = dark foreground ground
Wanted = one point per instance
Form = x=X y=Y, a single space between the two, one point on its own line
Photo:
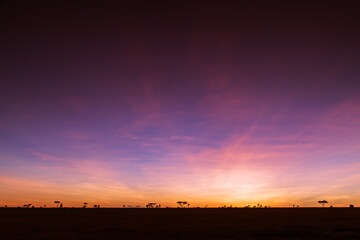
x=302 y=223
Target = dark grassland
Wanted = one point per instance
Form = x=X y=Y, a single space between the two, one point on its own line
x=235 y=223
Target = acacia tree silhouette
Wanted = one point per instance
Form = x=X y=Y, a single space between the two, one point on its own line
x=150 y=205
x=57 y=203
x=85 y=203
x=323 y=202
x=182 y=203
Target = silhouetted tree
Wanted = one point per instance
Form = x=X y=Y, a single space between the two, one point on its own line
x=85 y=203
x=95 y=206
x=151 y=205
x=323 y=202
x=351 y=206
x=61 y=205
x=57 y=203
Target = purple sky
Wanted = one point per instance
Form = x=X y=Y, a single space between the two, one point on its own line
x=210 y=103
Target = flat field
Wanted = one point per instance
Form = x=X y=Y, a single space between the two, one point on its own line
x=192 y=223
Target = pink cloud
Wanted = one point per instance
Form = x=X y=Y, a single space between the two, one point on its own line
x=186 y=138
x=46 y=157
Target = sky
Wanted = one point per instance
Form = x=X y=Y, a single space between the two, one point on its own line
x=214 y=103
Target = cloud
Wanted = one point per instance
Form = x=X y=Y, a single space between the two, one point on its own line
x=227 y=148
x=46 y=157
x=184 y=138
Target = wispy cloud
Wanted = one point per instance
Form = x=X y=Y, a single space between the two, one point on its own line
x=46 y=157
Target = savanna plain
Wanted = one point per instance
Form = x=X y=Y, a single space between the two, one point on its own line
x=173 y=223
